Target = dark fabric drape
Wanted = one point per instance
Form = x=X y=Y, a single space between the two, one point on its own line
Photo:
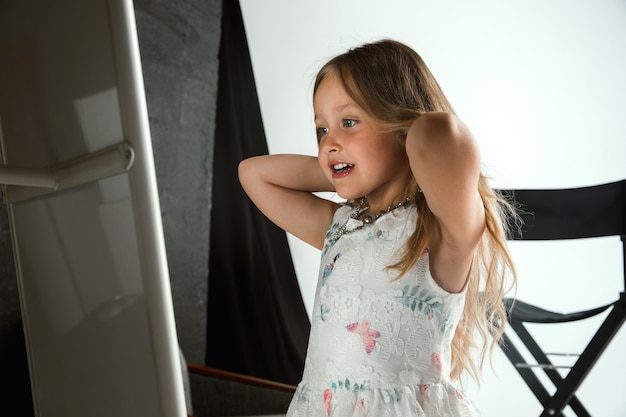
x=256 y=324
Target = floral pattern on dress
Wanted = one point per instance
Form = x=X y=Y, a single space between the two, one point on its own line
x=328 y=269
x=422 y=300
x=379 y=346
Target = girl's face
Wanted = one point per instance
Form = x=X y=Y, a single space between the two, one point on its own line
x=356 y=156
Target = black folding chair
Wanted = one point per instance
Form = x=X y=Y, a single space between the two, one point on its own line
x=553 y=214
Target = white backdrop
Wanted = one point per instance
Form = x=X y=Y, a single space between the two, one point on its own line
x=541 y=85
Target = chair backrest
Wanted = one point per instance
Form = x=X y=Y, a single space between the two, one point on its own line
x=570 y=213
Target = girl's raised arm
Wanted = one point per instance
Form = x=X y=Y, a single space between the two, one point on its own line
x=282 y=187
x=445 y=161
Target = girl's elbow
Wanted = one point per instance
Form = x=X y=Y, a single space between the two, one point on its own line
x=245 y=171
x=242 y=169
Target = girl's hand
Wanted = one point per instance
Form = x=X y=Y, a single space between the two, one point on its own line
x=445 y=161
x=282 y=187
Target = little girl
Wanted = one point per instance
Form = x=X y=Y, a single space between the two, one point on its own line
x=413 y=264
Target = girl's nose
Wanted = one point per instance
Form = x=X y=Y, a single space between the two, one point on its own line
x=330 y=143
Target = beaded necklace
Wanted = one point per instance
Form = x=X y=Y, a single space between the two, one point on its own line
x=358 y=213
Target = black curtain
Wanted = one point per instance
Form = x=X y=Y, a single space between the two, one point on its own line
x=256 y=324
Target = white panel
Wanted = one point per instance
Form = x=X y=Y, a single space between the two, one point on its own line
x=92 y=271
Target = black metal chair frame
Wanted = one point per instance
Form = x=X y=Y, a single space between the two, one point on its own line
x=553 y=214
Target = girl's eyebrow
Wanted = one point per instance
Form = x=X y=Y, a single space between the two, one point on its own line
x=339 y=108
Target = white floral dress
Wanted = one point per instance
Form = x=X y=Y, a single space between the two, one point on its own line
x=378 y=347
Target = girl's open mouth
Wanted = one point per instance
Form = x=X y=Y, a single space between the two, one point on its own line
x=341 y=169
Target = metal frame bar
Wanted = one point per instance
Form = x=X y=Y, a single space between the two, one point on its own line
x=26 y=183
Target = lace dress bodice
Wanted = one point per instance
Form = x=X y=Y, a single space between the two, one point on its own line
x=378 y=346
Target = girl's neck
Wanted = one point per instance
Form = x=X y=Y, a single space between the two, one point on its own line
x=369 y=216
x=391 y=193
x=382 y=205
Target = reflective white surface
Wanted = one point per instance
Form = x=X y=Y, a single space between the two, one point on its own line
x=92 y=271
x=88 y=330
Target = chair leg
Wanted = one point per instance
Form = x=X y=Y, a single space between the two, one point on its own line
x=527 y=374
x=550 y=371
x=589 y=357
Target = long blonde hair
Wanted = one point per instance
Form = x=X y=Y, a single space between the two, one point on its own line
x=393 y=85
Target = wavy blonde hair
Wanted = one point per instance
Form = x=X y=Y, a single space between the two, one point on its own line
x=393 y=85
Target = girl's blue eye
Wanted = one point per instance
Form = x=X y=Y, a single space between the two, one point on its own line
x=321 y=131
x=349 y=122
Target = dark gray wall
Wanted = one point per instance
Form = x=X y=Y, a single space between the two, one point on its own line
x=179 y=42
